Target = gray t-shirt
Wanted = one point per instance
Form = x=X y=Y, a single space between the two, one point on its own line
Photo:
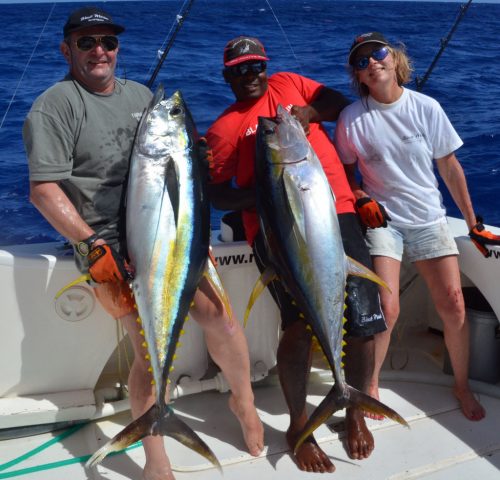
x=83 y=140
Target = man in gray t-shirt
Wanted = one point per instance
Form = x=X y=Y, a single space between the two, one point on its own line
x=78 y=138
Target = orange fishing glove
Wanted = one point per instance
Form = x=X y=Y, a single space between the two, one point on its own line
x=371 y=213
x=481 y=237
x=107 y=265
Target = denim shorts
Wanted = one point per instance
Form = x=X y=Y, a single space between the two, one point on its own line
x=421 y=243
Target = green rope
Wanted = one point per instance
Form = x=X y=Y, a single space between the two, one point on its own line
x=48 y=466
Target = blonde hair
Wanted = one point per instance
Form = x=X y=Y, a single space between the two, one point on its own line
x=403 y=68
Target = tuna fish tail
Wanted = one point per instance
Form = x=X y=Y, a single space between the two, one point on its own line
x=156 y=421
x=339 y=398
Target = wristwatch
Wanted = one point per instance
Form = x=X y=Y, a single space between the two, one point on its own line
x=83 y=247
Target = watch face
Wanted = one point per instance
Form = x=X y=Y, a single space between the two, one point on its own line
x=83 y=248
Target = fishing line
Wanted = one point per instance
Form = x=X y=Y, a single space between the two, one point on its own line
x=286 y=37
x=26 y=67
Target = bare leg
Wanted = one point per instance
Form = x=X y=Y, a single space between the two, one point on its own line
x=442 y=276
x=388 y=269
x=142 y=396
x=141 y=392
x=294 y=362
x=358 y=368
x=228 y=348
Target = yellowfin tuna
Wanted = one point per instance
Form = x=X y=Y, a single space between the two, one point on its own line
x=297 y=214
x=168 y=229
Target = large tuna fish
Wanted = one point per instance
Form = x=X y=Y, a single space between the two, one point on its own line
x=297 y=213
x=168 y=239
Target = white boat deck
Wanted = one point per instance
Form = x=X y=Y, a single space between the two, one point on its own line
x=47 y=376
x=441 y=443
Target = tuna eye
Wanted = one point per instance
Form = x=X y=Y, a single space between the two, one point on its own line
x=175 y=111
x=268 y=131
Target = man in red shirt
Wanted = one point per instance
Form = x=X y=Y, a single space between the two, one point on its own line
x=232 y=140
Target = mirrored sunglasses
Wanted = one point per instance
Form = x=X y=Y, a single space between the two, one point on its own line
x=87 y=43
x=362 y=63
x=243 y=69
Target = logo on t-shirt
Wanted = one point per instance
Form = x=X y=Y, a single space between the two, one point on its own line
x=418 y=137
x=251 y=131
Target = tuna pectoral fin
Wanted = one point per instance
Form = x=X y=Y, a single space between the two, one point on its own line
x=358 y=269
x=80 y=279
x=268 y=275
x=154 y=422
x=337 y=400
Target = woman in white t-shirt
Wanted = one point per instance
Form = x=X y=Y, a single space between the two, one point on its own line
x=393 y=136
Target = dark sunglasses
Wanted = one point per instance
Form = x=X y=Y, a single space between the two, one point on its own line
x=243 y=69
x=107 y=42
x=362 y=63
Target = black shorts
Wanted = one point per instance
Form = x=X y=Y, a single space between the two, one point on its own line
x=364 y=314
x=289 y=312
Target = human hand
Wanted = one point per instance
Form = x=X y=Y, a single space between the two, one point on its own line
x=107 y=265
x=481 y=237
x=371 y=213
x=206 y=156
x=302 y=114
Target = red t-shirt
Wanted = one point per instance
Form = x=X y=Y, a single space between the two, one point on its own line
x=232 y=139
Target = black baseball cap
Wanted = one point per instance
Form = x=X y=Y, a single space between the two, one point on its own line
x=370 y=37
x=89 y=17
x=243 y=49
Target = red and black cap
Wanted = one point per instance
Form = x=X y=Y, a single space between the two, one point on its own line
x=89 y=17
x=243 y=49
x=370 y=37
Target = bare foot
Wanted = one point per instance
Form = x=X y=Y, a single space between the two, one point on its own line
x=373 y=392
x=253 y=431
x=309 y=456
x=157 y=473
x=157 y=465
x=470 y=406
x=360 y=443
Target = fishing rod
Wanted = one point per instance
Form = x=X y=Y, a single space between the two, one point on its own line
x=420 y=82
x=180 y=20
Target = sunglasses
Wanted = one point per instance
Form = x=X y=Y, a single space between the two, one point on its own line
x=362 y=63
x=107 y=42
x=243 y=69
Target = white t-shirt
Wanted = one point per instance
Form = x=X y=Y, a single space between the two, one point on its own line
x=394 y=145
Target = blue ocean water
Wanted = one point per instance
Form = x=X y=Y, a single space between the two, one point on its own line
x=311 y=37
